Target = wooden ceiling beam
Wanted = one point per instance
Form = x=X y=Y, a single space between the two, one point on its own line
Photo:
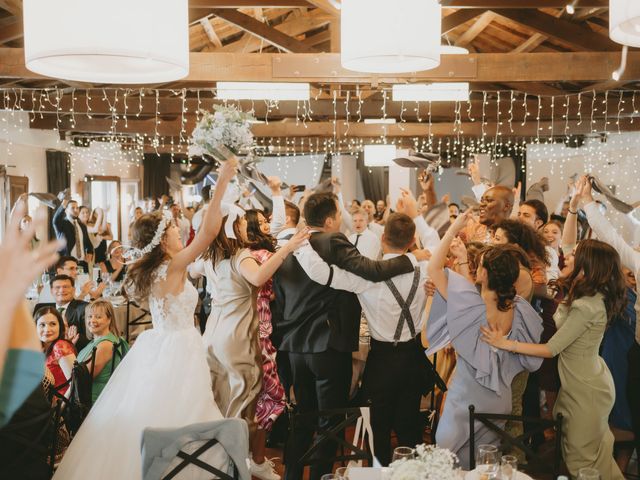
x=263 y=31
x=14 y=7
x=476 y=29
x=328 y=129
x=327 y=6
x=568 y=32
x=291 y=27
x=11 y=32
x=457 y=18
x=326 y=68
x=234 y=4
x=521 y=3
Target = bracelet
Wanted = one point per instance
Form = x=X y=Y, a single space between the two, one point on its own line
x=572 y=212
x=463 y=263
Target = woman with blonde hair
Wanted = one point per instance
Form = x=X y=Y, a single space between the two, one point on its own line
x=109 y=347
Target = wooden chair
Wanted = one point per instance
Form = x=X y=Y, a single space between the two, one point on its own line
x=536 y=461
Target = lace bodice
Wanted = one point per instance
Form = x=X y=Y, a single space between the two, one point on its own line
x=173 y=312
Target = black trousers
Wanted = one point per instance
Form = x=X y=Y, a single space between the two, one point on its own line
x=321 y=381
x=633 y=390
x=393 y=383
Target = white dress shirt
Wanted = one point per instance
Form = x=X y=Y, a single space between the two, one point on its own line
x=278 y=215
x=367 y=243
x=379 y=305
x=284 y=235
x=553 y=270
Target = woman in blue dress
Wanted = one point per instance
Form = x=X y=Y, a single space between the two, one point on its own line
x=483 y=374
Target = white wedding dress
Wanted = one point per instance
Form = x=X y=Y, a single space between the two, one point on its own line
x=163 y=381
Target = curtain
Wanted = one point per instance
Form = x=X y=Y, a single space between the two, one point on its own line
x=154 y=178
x=375 y=181
x=58 y=177
x=4 y=200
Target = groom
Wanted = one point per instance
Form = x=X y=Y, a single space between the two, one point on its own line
x=319 y=327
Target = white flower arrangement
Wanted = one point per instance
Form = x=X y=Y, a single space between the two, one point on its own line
x=225 y=127
x=431 y=463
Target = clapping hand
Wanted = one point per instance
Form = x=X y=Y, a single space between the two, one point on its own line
x=583 y=192
x=72 y=334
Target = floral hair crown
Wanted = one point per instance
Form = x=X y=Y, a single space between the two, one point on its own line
x=133 y=254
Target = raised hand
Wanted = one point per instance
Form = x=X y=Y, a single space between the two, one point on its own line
x=461 y=221
x=474 y=171
x=516 y=191
x=458 y=249
x=72 y=334
x=336 y=185
x=423 y=255
x=20 y=264
x=274 y=184
x=228 y=168
x=410 y=203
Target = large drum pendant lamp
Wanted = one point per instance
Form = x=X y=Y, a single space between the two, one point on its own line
x=114 y=41
x=379 y=36
x=624 y=22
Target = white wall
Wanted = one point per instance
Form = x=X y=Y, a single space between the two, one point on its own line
x=616 y=163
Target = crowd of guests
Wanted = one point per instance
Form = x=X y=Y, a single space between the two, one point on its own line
x=535 y=314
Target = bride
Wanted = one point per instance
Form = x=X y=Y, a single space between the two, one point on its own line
x=164 y=380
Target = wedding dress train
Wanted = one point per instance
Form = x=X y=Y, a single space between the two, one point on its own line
x=163 y=382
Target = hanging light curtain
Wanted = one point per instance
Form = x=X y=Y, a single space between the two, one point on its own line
x=624 y=22
x=114 y=41
x=379 y=36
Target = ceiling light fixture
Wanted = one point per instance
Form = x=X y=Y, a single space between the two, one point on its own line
x=145 y=41
x=379 y=155
x=434 y=92
x=571 y=7
x=624 y=22
x=379 y=38
x=263 y=91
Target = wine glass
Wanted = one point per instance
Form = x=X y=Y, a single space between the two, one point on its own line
x=45 y=278
x=509 y=467
x=487 y=461
x=588 y=474
x=342 y=473
x=403 y=452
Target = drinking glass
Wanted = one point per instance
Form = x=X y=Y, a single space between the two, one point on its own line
x=588 y=474
x=45 y=278
x=342 y=473
x=509 y=467
x=488 y=461
x=402 y=452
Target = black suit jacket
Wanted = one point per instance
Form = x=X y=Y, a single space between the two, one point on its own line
x=65 y=229
x=310 y=318
x=75 y=316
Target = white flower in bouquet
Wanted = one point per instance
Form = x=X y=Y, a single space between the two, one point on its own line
x=431 y=463
x=227 y=127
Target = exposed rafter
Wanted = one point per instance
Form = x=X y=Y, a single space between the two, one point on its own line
x=568 y=32
x=521 y=3
x=263 y=31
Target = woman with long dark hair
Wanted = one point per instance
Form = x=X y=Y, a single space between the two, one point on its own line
x=483 y=375
x=164 y=380
x=271 y=399
x=231 y=336
x=592 y=295
x=59 y=352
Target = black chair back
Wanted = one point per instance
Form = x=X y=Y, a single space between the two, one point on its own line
x=535 y=460
x=192 y=459
x=341 y=419
x=137 y=320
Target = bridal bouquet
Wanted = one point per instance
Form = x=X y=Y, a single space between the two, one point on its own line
x=431 y=463
x=225 y=128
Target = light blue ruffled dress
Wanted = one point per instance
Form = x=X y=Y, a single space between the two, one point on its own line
x=483 y=374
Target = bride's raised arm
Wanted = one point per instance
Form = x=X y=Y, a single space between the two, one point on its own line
x=435 y=269
x=212 y=220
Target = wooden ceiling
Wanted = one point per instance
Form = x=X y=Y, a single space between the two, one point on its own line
x=515 y=45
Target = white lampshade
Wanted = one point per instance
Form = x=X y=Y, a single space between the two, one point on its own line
x=433 y=92
x=624 y=22
x=115 y=41
x=262 y=91
x=379 y=155
x=379 y=36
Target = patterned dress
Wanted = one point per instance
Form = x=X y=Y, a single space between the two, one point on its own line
x=271 y=400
